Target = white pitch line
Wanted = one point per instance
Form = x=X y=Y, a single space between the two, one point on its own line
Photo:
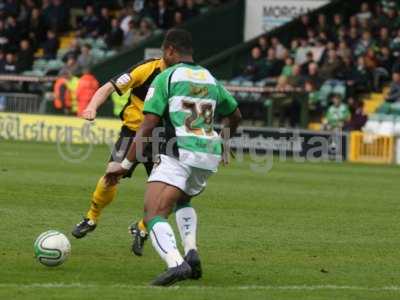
x=199 y=288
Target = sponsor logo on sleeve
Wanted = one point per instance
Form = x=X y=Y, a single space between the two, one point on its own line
x=150 y=93
x=123 y=80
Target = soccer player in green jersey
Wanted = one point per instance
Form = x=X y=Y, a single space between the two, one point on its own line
x=185 y=97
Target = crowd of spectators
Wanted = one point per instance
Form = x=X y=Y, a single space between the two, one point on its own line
x=29 y=25
x=26 y=26
x=361 y=52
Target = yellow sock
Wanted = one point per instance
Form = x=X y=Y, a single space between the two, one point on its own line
x=102 y=196
x=142 y=226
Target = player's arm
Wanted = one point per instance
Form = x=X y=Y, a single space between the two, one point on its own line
x=97 y=100
x=120 y=84
x=227 y=107
x=154 y=107
x=231 y=123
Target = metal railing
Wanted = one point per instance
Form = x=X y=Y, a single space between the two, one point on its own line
x=21 y=103
x=371 y=148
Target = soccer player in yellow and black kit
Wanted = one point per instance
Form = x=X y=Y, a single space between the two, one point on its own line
x=138 y=80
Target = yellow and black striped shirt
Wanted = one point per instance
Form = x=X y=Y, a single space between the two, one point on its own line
x=137 y=79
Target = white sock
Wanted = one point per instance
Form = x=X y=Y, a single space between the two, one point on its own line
x=163 y=240
x=186 y=219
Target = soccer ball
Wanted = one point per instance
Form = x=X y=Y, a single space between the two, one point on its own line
x=52 y=248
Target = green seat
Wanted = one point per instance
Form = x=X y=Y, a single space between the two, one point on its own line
x=54 y=64
x=384 y=108
x=246 y=95
x=98 y=54
x=395 y=109
x=99 y=43
x=110 y=53
x=40 y=64
x=34 y=73
x=61 y=52
x=328 y=88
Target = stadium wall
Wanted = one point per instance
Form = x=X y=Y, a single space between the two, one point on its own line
x=72 y=130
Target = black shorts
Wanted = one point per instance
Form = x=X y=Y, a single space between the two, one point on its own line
x=121 y=147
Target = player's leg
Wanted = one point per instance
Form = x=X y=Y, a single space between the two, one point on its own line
x=160 y=198
x=104 y=194
x=186 y=221
x=138 y=229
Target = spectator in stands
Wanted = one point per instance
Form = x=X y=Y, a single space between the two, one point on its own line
x=306 y=64
x=365 y=13
x=145 y=30
x=3 y=35
x=371 y=61
x=305 y=24
x=87 y=87
x=338 y=114
x=385 y=59
x=178 y=19
x=2 y=61
x=337 y=24
x=395 y=44
x=390 y=19
x=357 y=118
x=85 y=59
x=62 y=95
x=263 y=45
x=131 y=35
x=273 y=64
x=57 y=16
x=51 y=45
x=115 y=37
x=163 y=15
x=255 y=67
x=288 y=68
x=348 y=74
x=90 y=22
x=104 y=22
x=331 y=66
x=322 y=24
x=13 y=33
x=353 y=38
x=343 y=50
x=180 y=6
x=25 y=56
x=394 y=93
x=296 y=79
x=74 y=50
x=191 y=10
x=37 y=28
x=311 y=36
x=364 y=78
x=384 y=37
x=289 y=107
x=128 y=14
x=10 y=65
x=364 y=43
x=279 y=49
x=314 y=77
x=71 y=66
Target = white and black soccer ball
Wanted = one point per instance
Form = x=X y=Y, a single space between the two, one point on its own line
x=52 y=248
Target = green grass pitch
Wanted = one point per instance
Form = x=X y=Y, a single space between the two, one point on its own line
x=300 y=231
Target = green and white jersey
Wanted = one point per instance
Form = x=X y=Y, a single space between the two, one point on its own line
x=187 y=97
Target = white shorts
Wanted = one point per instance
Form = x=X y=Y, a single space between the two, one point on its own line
x=190 y=180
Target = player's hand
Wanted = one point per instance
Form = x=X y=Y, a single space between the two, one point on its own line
x=114 y=173
x=227 y=153
x=89 y=113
